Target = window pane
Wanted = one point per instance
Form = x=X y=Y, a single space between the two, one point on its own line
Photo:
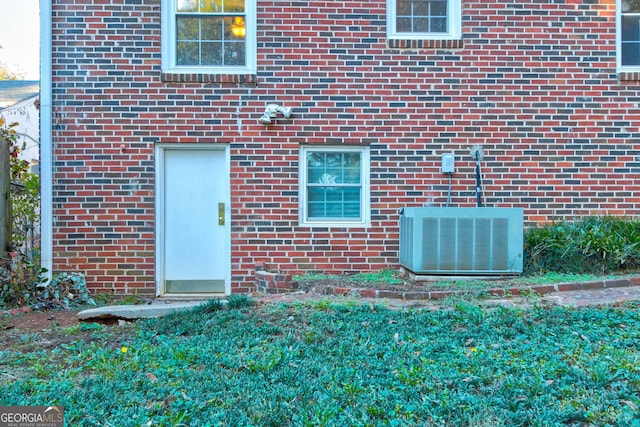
x=351 y=176
x=211 y=53
x=234 y=53
x=332 y=176
x=333 y=210
x=421 y=25
x=403 y=25
x=333 y=159
x=211 y=6
x=316 y=210
x=630 y=54
x=352 y=160
x=188 y=54
x=314 y=160
x=420 y=8
x=438 y=25
x=231 y=6
x=332 y=194
x=187 y=6
x=352 y=210
x=314 y=175
x=438 y=8
x=212 y=29
x=352 y=168
x=630 y=28
x=316 y=194
x=351 y=203
x=233 y=27
x=403 y=8
x=188 y=29
x=631 y=6
x=317 y=202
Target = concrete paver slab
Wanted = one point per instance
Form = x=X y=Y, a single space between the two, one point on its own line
x=138 y=311
x=594 y=297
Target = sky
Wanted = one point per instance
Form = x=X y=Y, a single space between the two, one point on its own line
x=20 y=36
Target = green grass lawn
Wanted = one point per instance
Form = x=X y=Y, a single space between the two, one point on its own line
x=327 y=363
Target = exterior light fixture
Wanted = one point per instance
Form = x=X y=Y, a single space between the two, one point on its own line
x=272 y=112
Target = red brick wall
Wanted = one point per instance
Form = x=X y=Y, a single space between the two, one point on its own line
x=534 y=82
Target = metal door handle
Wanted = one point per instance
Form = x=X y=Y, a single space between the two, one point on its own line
x=220 y=213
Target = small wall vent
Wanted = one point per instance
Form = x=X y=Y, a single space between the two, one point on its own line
x=472 y=241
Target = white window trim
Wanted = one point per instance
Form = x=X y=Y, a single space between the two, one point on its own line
x=168 y=38
x=454 y=14
x=619 y=66
x=365 y=194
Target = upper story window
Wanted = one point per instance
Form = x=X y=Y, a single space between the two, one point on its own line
x=628 y=35
x=424 y=19
x=334 y=186
x=209 y=36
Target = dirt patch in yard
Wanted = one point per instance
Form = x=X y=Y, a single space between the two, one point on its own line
x=35 y=321
x=46 y=330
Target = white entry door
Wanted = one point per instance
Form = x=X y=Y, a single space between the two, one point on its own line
x=193 y=234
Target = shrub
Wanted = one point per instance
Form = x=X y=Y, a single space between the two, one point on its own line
x=25 y=192
x=20 y=274
x=25 y=207
x=588 y=245
x=19 y=279
x=23 y=283
x=65 y=290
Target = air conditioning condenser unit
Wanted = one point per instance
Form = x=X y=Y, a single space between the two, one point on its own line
x=461 y=241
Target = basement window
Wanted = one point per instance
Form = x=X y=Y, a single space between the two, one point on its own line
x=334 y=186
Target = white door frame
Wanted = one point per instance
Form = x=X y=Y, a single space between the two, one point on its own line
x=160 y=150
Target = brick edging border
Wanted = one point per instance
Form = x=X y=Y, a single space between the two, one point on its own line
x=494 y=292
x=16 y=310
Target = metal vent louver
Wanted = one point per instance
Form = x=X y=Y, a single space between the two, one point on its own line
x=461 y=240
